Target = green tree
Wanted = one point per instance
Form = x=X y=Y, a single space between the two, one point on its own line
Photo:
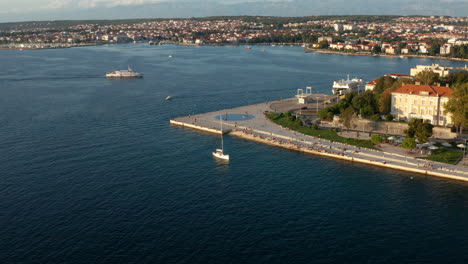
x=408 y=143
x=382 y=84
x=366 y=111
x=377 y=49
x=365 y=103
x=323 y=44
x=456 y=78
x=385 y=101
x=427 y=77
x=435 y=49
x=457 y=106
x=459 y=51
x=420 y=129
x=347 y=116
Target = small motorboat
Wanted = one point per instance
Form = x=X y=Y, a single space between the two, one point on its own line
x=168 y=97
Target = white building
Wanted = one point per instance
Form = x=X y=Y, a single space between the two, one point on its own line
x=445 y=49
x=338 y=27
x=458 y=41
x=441 y=70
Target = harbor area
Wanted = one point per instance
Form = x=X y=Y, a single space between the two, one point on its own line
x=250 y=122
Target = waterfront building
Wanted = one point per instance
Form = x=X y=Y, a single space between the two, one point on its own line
x=424 y=48
x=423 y=102
x=445 y=49
x=441 y=70
x=328 y=39
x=391 y=50
x=405 y=51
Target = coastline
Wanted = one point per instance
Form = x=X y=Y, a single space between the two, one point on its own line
x=384 y=55
x=343 y=157
x=65 y=46
x=58 y=46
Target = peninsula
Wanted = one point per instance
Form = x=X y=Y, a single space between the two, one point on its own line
x=250 y=122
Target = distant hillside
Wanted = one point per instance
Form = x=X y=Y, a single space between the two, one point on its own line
x=58 y=24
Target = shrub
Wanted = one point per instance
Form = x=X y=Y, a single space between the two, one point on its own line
x=376 y=139
x=409 y=143
x=389 y=117
x=420 y=129
x=376 y=117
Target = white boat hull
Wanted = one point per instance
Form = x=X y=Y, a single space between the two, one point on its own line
x=220 y=155
x=110 y=75
x=124 y=74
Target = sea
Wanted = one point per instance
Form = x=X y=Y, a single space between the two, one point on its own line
x=91 y=171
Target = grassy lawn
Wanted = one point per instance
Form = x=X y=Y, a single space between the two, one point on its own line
x=445 y=155
x=286 y=120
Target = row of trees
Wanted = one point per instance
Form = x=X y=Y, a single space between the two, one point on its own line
x=457 y=106
x=460 y=51
x=285 y=38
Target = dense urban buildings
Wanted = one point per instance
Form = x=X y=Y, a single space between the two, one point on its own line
x=391 y=35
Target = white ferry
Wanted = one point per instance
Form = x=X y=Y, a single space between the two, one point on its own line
x=124 y=74
x=343 y=86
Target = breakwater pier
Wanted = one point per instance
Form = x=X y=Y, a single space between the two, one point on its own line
x=250 y=122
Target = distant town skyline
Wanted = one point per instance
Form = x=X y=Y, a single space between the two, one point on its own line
x=28 y=10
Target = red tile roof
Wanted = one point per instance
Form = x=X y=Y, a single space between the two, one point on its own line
x=395 y=75
x=374 y=81
x=399 y=75
x=417 y=89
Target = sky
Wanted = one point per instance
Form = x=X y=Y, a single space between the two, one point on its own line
x=28 y=10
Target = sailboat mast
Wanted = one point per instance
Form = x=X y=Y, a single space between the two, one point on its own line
x=222 y=141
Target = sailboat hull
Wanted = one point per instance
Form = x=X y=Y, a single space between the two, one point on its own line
x=220 y=155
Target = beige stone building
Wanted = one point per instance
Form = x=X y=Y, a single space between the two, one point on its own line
x=423 y=102
x=441 y=70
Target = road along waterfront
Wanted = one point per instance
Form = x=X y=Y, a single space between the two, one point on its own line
x=263 y=130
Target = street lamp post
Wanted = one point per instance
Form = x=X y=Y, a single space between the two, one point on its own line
x=316 y=108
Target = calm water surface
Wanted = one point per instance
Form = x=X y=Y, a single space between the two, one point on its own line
x=92 y=172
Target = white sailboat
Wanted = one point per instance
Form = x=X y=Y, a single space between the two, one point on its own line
x=219 y=153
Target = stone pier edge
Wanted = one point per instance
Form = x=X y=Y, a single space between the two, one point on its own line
x=352 y=159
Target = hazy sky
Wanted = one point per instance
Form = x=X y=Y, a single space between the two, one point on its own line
x=22 y=10
x=37 y=5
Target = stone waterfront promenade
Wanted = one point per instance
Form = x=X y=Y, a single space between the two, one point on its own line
x=249 y=122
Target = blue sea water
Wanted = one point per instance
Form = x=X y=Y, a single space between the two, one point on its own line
x=92 y=171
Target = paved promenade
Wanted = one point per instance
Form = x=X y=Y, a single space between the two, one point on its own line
x=263 y=130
